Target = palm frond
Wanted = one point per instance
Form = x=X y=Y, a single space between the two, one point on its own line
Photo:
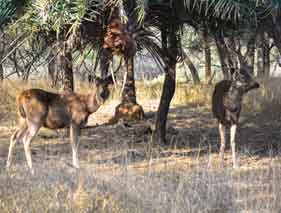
x=147 y=40
x=8 y=9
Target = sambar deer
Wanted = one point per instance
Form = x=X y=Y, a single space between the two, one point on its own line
x=37 y=108
x=227 y=105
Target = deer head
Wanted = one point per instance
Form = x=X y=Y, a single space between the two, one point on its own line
x=242 y=80
x=103 y=87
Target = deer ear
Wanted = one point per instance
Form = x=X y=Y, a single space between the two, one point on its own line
x=98 y=81
x=109 y=80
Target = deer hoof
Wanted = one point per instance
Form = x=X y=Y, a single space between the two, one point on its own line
x=8 y=167
x=235 y=165
x=76 y=166
x=32 y=171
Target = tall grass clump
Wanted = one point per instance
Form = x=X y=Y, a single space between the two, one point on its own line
x=59 y=189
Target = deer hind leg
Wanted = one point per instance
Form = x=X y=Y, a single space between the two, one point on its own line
x=16 y=137
x=74 y=141
x=222 y=141
x=31 y=132
x=233 y=129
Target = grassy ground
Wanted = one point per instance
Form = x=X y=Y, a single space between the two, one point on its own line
x=122 y=171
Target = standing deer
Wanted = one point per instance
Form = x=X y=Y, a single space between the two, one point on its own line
x=227 y=104
x=37 y=108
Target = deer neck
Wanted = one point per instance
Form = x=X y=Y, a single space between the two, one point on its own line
x=93 y=102
x=234 y=89
x=235 y=94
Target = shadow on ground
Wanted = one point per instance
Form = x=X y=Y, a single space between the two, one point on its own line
x=192 y=133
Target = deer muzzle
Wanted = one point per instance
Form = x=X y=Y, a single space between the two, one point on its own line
x=252 y=85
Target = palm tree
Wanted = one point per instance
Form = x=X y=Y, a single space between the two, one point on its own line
x=93 y=23
x=120 y=40
x=73 y=25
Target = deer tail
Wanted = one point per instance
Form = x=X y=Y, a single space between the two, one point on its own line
x=21 y=110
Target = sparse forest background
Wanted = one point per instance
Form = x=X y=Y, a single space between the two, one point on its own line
x=166 y=56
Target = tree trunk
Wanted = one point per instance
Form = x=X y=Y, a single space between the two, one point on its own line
x=249 y=61
x=166 y=98
x=266 y=55
x=233 y=61
x=193 y=70
x=128 y=109
x=263 y=55
x=2 y=51
x=65 y=63
x=106 y=56
x=52 y=68
x=277 y=40
x=1 y=72
x=260 y=59
x=129 y=92
x=208 y=59
x=276 y=29
x=223 y=54
x=246 y=60
x=169 y=85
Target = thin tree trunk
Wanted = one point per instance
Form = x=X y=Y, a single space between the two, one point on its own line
x=129 y=92
x=26 y=73
x=193 y=70
x=65 y=61
x=168 y=87
x=106 y=56
x=1 y=72
x=250 y=56
x=223 y=53
x=247 y=60
x=266 y=55
x=276 y=30
x=52 y=63
x=2 y=50
x=233 y=61
x=263 y=55
x=15 y=63
x=260 y=59
x=128 y=109
x=277 y=40
x=166 y=98
x=208 y=59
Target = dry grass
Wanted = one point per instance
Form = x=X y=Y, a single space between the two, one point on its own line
x=122 y=171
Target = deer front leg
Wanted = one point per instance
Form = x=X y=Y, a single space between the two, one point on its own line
x=13 y=141
x=27 y=139
x=15 y=138
x=222 y=141
x=233 y=129
x=74 y=141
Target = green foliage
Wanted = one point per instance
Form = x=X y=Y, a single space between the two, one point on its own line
x=59 y=16
x=8 y=8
